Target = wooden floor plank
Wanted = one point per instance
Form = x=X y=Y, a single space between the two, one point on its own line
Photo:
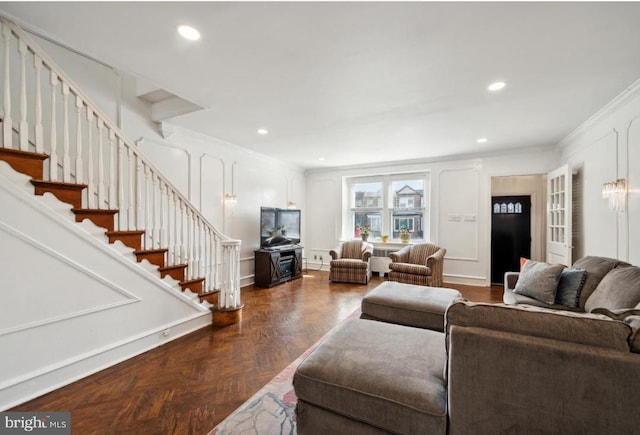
x=192 y=383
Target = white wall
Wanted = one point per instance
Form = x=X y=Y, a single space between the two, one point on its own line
x=112 y=91
x=457 y=187
x=604 y=148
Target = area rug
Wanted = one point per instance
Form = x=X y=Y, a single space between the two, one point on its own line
x=271 y=411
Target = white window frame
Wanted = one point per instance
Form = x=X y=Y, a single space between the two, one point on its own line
x=386 y=211
x=411 y=227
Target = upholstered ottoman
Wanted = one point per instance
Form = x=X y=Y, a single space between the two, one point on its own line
x=371 y=377
x=407 y=304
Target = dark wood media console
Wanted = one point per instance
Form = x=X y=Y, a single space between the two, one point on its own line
x=277 y=265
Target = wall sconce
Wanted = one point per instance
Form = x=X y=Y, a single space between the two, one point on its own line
x=231 y=198
x=291 y=205
x=616 y=193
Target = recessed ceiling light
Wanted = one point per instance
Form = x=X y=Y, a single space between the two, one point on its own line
x=263 y=131
x=189 y=33
x=496 y=86
x=482 y=140
x=320 y=158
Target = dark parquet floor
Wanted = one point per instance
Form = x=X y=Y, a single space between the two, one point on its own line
x=191 y=384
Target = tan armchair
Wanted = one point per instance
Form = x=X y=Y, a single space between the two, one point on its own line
x=350 y=262
x=420 y=264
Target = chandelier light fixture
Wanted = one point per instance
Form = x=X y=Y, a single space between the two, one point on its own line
x=615 y=192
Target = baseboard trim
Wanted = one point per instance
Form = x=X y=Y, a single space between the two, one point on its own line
x=478 y=281
x=18 y=391
x=316 y=266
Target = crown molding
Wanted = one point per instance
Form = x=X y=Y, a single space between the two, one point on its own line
x=179 y=133
x=439 y=159
x=620 y=100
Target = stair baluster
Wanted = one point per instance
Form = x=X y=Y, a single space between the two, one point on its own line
x=78 y=168
x=53 y=152
x=39 y=132
x=24 y=128
x=7 y=123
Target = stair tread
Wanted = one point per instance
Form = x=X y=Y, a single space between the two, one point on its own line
x=58 y=184
x=125 y=233
x=25 y=154
x=192 y=281
x=174 y=266
x=94 y=210
x=151 y=251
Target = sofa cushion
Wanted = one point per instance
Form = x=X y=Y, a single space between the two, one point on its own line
x=410 y=305
x=597 y=268
x=419 y=253
x=539 y=281
x=349 y=263
x=415 y=269
x=569 y=287
x=583 y=328
x=620 y=288
x=352 y=249
x=388 y=376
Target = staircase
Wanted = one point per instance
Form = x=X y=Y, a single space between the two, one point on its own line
x=71 y=150
x=31 y=164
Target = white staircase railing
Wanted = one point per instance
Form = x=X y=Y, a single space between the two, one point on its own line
x=53 y=116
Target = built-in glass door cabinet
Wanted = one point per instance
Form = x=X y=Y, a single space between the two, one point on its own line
x=559 y=216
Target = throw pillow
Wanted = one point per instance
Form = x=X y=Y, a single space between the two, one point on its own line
x=597 y=268
x=619 y=289
x=522 y=261
x=569 y=287
x=539 y=281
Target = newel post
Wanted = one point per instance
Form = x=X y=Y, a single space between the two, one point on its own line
x=229 y=308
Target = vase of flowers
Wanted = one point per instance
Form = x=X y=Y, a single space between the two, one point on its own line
x=364 y=232
x=405 y=235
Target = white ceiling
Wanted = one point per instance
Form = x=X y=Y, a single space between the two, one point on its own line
x=364 y=82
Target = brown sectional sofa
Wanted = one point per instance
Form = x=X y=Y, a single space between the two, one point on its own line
x=615 y=292
x=497 y=368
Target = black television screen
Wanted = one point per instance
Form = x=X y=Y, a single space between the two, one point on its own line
x=279 y=226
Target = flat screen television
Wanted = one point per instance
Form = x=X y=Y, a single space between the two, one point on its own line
x=279 y=227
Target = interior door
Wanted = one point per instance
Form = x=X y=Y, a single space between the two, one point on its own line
x=510 y=234
x=559 y=204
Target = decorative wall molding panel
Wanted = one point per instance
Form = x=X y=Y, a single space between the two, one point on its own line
x=458 y=214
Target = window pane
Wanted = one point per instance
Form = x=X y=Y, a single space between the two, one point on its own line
x=411 y=220
x=367 y=195
x=372 y=219
x=408 y=193
x=386 y=203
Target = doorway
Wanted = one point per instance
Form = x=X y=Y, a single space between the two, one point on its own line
x=510 y=234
